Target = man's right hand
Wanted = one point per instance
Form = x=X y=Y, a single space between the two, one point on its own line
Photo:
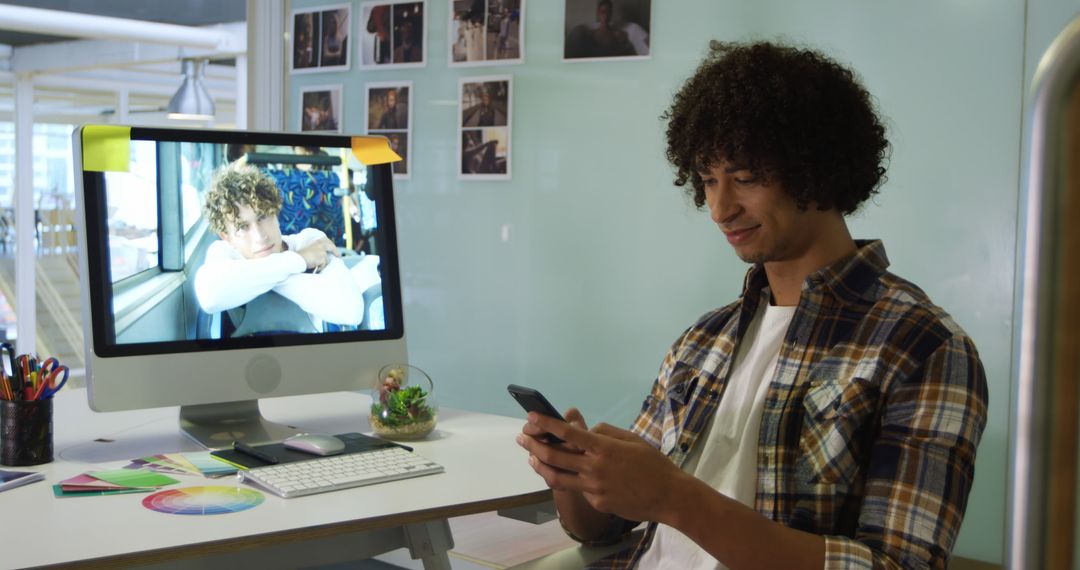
x=318 y=253
x=575 y=512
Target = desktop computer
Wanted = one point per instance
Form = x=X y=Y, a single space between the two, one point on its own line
x=221 y=267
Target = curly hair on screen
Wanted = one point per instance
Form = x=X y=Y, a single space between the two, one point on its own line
x=238 y=185
x=790 y=115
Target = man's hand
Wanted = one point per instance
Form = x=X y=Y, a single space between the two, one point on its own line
x=318 y=253
x=616 y=471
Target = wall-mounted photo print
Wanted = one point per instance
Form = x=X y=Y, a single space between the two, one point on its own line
x=487 y=32
x=485 y=122
x=320 y=39
x=399 y=142
x=604 y=29
x=320 y=108
x=392 y=34
x=389 y=114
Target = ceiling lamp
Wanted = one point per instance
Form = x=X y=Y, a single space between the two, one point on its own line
x=192 y=101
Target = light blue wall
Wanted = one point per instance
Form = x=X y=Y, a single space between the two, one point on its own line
x=606 y=262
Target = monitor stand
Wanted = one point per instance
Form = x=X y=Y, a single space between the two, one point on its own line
x=217 y=426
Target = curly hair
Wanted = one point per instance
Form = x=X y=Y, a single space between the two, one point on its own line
x=790 y=115
x=238 y=185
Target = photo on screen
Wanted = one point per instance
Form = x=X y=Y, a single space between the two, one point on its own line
x=320 y=109
x=208 y=242
x=607 y=29
x=392 y=34
x=486 y=32
x=320 y=39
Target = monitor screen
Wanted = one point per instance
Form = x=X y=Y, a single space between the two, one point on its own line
x=225 y=266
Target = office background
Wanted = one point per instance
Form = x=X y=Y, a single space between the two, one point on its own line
x=576 y=275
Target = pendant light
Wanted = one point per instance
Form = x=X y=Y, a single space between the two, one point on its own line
x=192 y=101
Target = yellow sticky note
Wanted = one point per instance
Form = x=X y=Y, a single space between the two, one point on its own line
x=373 y=150
x=106 y=148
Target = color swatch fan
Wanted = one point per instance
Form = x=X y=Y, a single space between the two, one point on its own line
x=203 y=500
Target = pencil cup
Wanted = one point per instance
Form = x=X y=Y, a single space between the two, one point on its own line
x=26 y=432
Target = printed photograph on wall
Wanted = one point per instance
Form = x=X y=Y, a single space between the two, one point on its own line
x=388 y=113
x=485 y=121
x=606 y=29
x=486 y=32
x=392 y=34
x=320 y=108
x=320 y=39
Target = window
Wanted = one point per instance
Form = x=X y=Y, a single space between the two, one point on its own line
x=198 y=162
x=133 y=222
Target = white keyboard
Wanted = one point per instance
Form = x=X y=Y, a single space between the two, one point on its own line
x=340 y=472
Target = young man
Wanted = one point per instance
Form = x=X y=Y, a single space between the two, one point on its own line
x=253 y=258
x=829 y=417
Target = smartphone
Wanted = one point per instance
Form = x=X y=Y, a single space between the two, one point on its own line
x=533 y=401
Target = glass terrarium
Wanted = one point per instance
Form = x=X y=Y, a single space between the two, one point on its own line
x=402 y=403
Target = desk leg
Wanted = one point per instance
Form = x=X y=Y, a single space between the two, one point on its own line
x=429 y=542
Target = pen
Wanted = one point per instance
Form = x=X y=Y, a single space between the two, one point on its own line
x=248 y=450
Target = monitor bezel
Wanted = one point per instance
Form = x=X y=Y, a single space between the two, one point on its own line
x=98 y=260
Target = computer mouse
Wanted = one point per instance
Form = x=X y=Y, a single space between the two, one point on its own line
x=315 y=444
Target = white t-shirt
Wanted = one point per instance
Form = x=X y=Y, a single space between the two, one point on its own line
x=727 y=460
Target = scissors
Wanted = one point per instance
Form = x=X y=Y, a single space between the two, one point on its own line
x=12 y=379
x=10 y=350
x=47 y=385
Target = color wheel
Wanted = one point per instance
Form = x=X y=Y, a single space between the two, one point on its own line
x=203 y=500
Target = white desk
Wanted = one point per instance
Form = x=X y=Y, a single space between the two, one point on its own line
x=485 y=471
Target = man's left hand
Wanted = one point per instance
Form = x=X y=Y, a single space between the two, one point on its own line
x=616 y=471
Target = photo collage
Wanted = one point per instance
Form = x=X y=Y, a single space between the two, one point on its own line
x=389 y=114
x=485 y=127
x=393 y=34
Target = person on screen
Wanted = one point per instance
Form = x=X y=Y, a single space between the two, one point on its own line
x=252 y=257
x=394 y=115
x=827 y=418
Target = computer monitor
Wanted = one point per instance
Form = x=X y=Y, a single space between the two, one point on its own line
x=286 y=283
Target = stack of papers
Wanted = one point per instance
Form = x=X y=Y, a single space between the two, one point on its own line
x=191 y=463
x=112 y=482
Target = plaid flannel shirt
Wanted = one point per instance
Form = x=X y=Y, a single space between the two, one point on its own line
x=871 y=420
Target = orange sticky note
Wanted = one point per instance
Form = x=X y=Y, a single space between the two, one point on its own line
x=373 y=150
